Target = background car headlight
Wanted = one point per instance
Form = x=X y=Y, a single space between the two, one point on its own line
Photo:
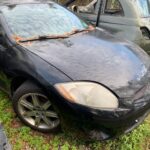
x=88 y=94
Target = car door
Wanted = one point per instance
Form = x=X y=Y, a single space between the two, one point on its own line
x=112 y=18
x=112 y=15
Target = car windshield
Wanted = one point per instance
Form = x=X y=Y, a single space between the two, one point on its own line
x=144 y=7
x=27 y=21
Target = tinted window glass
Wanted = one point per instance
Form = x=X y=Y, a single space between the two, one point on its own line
x=144 y=6
x=113 y=7
x=27 y=21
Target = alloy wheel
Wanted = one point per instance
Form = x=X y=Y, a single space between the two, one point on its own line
x=36 y=109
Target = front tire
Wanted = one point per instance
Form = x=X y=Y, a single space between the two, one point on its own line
x=34 y=108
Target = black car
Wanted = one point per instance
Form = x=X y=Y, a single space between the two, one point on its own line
x=64 y=71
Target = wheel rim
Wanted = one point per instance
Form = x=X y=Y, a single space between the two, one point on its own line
x=37 y=111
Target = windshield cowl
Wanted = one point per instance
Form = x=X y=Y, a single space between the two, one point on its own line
x=44 y=37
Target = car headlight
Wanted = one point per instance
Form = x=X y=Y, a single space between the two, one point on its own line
x=88 y=94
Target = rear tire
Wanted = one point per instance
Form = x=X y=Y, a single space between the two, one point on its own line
x=34 y=108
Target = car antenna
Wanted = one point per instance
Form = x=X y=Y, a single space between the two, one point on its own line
x=99 y=13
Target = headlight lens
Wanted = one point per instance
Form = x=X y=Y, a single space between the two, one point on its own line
x=88 y=94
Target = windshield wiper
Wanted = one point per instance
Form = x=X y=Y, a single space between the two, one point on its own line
x=66 y=35
x=78 y=31
x=44 y=37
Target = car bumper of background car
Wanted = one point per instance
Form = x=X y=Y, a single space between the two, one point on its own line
x=102 y=124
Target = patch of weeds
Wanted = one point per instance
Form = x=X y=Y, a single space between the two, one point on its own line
x=131 y=141
x=22 y=137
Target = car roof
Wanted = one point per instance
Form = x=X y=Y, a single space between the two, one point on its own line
x=15 y=2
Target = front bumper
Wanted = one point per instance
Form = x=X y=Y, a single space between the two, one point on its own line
x=100 y=124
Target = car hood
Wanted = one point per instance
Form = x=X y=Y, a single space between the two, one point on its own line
x=95 y=56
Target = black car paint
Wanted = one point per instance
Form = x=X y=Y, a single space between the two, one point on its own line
x=83 y=54
x=82 y=61
x=38 y=62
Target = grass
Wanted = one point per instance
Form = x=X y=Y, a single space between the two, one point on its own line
x=23 y=138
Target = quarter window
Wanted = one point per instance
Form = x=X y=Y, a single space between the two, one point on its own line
x=113 y=7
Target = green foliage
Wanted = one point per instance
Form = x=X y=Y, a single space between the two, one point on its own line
x=23 y=137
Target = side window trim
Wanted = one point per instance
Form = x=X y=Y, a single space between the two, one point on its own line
x=113 y=12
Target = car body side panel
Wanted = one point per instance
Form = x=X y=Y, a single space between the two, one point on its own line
x=115 y=29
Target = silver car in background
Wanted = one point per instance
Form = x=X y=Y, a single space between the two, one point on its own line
x=128 y=19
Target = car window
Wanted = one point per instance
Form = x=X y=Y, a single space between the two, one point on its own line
x=31 y=20
x=113 y=7
x=144 y=7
